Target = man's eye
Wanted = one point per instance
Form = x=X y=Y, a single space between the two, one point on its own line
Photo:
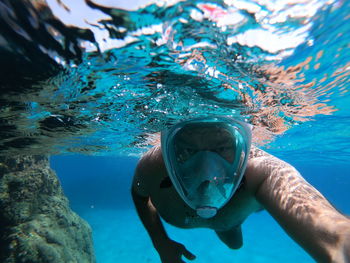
x=186 y=154
x=190 y=151
x=223 y=149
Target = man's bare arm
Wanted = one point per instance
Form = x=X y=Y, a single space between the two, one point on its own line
x=168 y=250
x=140 y=191
x=150 y=219
x=302 y=211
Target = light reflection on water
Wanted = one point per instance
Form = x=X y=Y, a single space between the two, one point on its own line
x=277 y=64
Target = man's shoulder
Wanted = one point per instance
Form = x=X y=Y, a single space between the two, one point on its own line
x=263 y=160
x=149 y=172
x=261 y=165
x=151 y=161
x=255 y=152
x=151 y=166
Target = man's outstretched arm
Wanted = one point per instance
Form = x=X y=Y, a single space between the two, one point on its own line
x=168 y=250
x=302 y=211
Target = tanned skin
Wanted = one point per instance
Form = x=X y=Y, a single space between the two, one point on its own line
x=269 y=183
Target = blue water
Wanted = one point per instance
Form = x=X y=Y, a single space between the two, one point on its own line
x=282 y=66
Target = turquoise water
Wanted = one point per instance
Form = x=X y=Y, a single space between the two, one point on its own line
x=96 y=106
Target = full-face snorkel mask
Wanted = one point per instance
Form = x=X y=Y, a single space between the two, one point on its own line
x=206 y=159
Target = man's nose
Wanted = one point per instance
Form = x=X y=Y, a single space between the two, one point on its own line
x=204 y=185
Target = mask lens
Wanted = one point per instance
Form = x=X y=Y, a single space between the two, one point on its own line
x=214 y=138
x=206 y=159
x=207 y=178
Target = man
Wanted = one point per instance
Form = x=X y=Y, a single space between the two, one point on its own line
x=206 y=174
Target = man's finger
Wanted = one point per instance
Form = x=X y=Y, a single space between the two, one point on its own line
x=188 y=254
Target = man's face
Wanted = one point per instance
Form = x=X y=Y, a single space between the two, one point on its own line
x=213 y=138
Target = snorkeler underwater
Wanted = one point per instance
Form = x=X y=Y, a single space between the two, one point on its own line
x=174 y=131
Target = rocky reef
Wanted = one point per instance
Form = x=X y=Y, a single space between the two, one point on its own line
x=36 y=222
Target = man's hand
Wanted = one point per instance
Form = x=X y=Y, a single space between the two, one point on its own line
x=171 y=252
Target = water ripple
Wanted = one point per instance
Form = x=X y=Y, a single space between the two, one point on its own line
x=276 y=64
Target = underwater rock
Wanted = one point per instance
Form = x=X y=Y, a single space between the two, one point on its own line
x=37 y=224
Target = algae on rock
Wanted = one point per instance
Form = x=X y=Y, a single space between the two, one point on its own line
x=37 y=224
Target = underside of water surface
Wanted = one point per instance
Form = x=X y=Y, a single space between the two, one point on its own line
x=108 y=84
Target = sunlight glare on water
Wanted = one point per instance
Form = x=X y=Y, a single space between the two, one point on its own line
x=280 y=65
